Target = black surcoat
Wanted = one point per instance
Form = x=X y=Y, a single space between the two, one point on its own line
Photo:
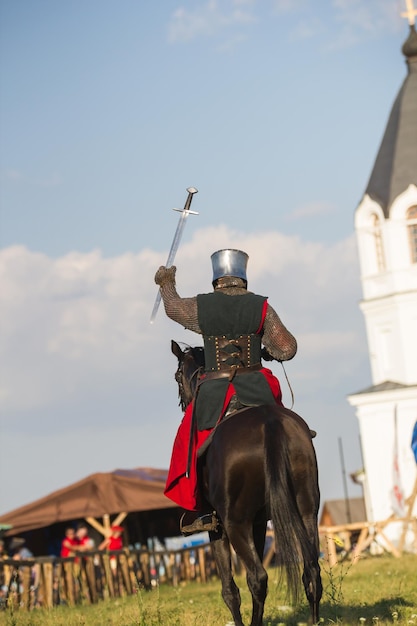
x=228 y=321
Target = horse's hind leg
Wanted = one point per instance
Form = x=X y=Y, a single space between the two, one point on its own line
x=241 y=537
x=230 y=591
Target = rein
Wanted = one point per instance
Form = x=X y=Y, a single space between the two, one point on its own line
x=180 y=377
x=289 y=386
x=195 y=373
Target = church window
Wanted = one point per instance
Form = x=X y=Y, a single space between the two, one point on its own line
x=379 y=247
x=412 y=231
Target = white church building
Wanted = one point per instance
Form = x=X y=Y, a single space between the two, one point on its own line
x=386 y=231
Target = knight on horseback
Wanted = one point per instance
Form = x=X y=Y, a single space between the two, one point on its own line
x=235 y=323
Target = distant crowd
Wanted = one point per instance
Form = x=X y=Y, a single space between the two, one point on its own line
x=78 y=540
x=75 y=541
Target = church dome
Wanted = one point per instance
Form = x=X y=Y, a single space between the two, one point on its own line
x=409 y=48
x=395 y=166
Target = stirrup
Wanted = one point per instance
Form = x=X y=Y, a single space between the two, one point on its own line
x=208 y=522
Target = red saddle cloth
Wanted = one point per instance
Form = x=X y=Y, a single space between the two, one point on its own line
x=184 y=490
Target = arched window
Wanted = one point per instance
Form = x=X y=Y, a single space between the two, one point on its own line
x=412 y=232
x=378 y=243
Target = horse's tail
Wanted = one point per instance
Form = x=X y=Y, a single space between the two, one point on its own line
x=292 y=545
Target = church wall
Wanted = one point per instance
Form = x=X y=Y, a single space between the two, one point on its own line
x=376 y=414
x=391 y=325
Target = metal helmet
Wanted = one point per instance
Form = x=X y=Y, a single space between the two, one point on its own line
x=229 y=262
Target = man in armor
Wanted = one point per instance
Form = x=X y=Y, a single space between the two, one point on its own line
x=234 y=323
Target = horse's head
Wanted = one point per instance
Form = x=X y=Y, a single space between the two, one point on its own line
x=190 y=365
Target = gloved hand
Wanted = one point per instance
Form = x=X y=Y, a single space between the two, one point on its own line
x=165 y=275
x=265 y=355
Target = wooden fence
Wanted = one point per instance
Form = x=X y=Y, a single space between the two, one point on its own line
x=51 y=581
x=353 y=539
x=91 y=576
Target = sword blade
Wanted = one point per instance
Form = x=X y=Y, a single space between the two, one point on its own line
x=177 y=237
x=175 y=244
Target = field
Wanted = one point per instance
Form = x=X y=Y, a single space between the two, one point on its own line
x=374 y=592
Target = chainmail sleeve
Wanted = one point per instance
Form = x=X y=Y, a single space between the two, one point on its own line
x=181 y=310
x=278 y=341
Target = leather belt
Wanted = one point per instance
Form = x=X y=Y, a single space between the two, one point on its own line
x=230 y=372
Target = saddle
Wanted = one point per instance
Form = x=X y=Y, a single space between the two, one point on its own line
x=234 y=408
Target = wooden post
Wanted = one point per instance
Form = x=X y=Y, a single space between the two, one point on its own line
x=132 y=562
x=69 y=582
x=46 y=583
x=359 y=545
x=202 y=563
x=186 y=557
x=61 y=595
x=144 y=560
x=91 y=579
x=25 y=573
x=124 y=566
x=108 y=574
x=408 y=518
x=330 y=549
x=104 y=528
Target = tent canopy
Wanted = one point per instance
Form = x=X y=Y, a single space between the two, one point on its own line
x=139 y=489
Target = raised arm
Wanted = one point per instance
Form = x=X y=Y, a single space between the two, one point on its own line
x=181 y=310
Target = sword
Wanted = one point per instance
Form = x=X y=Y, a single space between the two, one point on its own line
x=185 y=212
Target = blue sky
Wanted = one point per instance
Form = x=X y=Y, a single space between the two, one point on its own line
x=274 y=110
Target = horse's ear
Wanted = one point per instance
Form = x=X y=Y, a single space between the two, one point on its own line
x=175 y=349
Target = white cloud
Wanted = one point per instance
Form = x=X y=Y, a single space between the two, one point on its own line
x=307 y=29
x=369 y=16
x=338 y=23
x=63 y=317
x=11 y=174
x=16 y=176
x=69 y=319
x=208 y=19
x=310 y=210
x=356 y=20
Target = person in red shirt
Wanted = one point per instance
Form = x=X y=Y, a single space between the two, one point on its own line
x=69 y=542
x=114 y=541
x=84 y=541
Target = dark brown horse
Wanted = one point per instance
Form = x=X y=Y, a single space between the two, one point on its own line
x=259 y=466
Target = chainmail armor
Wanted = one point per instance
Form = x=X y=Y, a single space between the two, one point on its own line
x=278 y=341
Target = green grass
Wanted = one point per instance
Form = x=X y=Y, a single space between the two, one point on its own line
x=374 y=592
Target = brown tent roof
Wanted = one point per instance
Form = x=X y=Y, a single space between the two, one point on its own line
x=140 y=489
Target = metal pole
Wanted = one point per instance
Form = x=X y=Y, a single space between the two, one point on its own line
x=342 y=461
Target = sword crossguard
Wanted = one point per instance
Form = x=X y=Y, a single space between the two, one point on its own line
x=188 y=211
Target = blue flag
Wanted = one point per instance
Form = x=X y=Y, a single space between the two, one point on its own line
x=414 y=441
